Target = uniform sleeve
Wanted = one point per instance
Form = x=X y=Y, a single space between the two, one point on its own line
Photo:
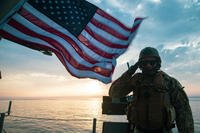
x=184 y=118
x=121 y=87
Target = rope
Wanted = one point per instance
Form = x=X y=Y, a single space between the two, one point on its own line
x=49 y=119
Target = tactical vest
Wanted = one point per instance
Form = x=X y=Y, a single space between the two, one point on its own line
x=151 y=107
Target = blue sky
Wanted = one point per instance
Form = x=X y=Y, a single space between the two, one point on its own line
x=172 y=26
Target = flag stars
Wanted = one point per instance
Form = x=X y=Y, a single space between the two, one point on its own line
x=68 y=2
x=44 y=7
x=74 y=29
x=58 y=12
x=71 y=14
x=82 y=18
x=60 y=18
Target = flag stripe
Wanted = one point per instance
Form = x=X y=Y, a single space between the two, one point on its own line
x=106 y=35
x=42 y=25
x=111 y=24
x=103 y=40
x=63 y=42
x=49 y=22
x=105 y=15
x=137 y=23
x=100 y=45
x=56 y=44
x=86 y=49
x=71 y=70
x=108 y=29
x=95 y=49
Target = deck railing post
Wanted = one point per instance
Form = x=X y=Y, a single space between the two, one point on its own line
x=2 y=122
x=94 y=125
x=9 y=107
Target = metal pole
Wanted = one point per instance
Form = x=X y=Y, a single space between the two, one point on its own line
x=2 y=122
x=128 y=65
x=94 y=125
x=9 y=107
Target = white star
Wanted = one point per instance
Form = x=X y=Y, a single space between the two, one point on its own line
x=58 y=12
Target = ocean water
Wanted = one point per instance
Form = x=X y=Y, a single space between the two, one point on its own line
x=65 y=115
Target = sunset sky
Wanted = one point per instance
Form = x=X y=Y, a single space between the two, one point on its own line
x=172 y=26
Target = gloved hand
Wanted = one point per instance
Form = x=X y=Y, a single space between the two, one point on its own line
x=133 y=68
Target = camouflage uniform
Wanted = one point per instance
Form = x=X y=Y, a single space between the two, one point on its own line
x=179 y=100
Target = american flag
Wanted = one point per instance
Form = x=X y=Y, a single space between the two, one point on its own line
x=86 y=39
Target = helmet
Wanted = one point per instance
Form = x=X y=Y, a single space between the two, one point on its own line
x=149 y=51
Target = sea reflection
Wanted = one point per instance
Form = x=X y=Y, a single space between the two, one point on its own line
x=65 y=115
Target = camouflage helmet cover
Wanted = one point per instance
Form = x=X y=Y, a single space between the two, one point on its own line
x=149 y=51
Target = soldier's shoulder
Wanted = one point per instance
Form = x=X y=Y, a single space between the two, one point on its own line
x=173 y=82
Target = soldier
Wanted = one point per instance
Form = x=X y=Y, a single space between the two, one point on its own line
x=159 y=101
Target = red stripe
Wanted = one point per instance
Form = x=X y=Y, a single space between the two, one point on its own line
x=36 y=46
x=103 y=40
x=87 y=43
x=136 y=26
x=58 y=46
x=108 y=29
x=44 y=26
x=106 y=15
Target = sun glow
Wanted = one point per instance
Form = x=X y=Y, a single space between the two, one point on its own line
x=91 y=88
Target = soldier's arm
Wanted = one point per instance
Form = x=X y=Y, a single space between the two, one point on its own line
x=122 y=86
x=184 y=118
